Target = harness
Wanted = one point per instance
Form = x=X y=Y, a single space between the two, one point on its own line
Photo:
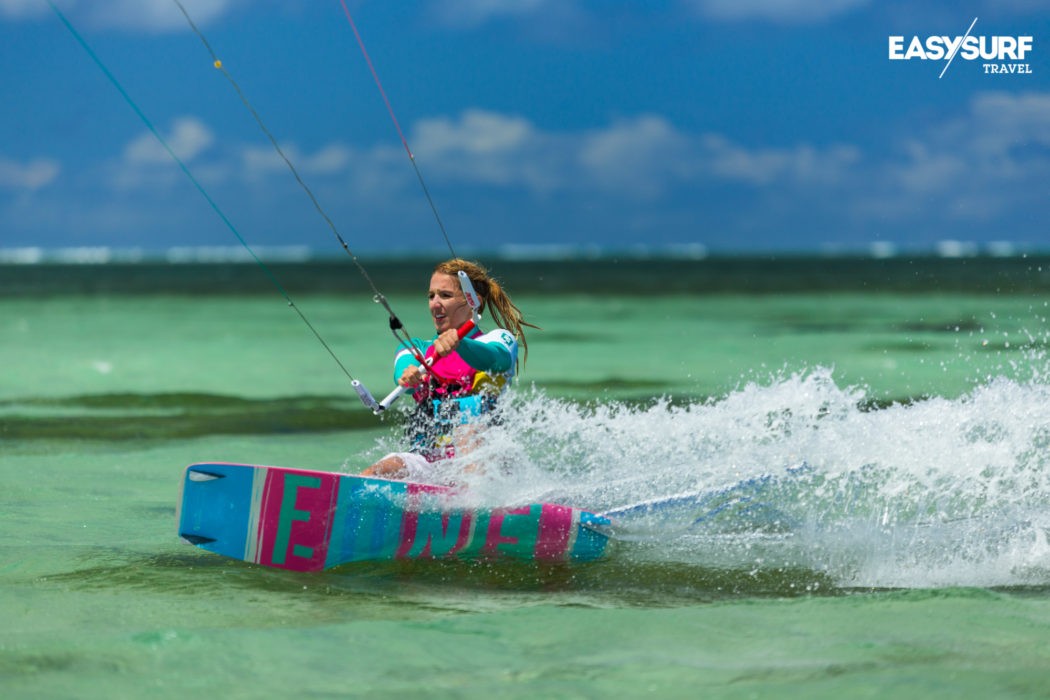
x=453 y=394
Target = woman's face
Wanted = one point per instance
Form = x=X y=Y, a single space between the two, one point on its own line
x=448 y=306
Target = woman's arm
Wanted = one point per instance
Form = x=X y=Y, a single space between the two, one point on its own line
x=495 y=351
x=405 y=359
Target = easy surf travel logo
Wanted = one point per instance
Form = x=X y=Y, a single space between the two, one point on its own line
x=999 y=55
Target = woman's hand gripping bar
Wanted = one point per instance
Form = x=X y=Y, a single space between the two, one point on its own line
x=378 y=408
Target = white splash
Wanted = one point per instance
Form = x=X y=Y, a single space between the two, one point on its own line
x=940 y=492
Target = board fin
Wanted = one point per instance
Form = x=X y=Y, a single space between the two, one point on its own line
x=197 y=540
x=602 y=528
x=196 y=475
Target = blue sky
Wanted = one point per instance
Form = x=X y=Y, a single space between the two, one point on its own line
x=735 y=125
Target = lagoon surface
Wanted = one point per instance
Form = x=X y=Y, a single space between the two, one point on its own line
x=899 y=409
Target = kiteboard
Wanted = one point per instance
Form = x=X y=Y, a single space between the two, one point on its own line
x=306 y=520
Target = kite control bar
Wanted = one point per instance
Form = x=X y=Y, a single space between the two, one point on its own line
x=381 y=406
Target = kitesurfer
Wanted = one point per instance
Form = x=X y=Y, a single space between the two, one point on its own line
x=468 y=374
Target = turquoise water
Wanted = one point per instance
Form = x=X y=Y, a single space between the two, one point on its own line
x=904 y=436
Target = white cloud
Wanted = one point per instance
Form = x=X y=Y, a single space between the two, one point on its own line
x=779 y=11
x=257 y=161
x=1018 y=6
x=802 y=163
x=30 y=176
x=979 y=166
x=641 y=157
x=924 y=170
x=131 y=15
x=1002 y=126
x=578 y=19
x=260 y=160
x=154 y=15
x=478 y=132
x=188 y=138
x=329 y=160
x=563 y=22
x=483 y=148
x=145 y=164
x=1003 y=138
x=474 y=13
x=22 y=9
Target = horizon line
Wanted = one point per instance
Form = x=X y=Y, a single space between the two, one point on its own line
x=204 y=254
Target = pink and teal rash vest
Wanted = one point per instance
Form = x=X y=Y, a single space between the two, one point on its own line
x=459 y=387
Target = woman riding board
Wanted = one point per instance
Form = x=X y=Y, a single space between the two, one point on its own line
x=467 y=375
